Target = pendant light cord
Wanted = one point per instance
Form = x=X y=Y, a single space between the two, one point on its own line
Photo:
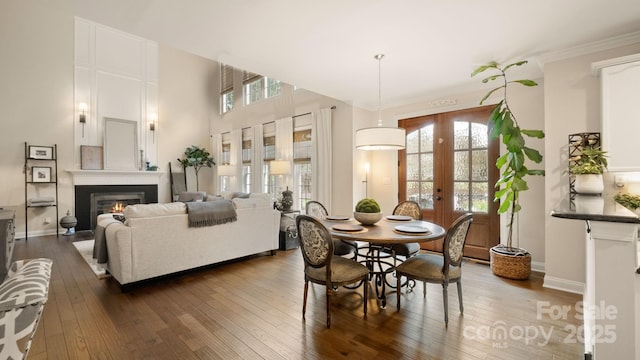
x=379 y=58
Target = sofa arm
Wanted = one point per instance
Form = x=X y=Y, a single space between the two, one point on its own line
x=27 y=283
x=22 y=297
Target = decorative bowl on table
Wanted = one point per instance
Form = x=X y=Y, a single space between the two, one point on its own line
x=367 y=218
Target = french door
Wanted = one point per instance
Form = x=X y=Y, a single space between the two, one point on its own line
x=448 y=167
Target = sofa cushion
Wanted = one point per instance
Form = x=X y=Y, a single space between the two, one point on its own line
x=151 y=210
x=192 y=196
x=256 y=202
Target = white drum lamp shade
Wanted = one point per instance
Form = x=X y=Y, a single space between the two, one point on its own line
x=380 y=138
x=279 y=167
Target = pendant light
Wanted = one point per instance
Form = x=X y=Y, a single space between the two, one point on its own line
x=380 y=137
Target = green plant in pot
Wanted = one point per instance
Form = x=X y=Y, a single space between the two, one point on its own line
x=588 y=168
x=367 y=211
x=508 y=260
x=198 y=158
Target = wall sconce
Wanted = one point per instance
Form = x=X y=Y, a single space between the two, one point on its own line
x=83 y=118
x=152 y=125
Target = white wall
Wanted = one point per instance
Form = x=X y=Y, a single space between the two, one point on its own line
x=572 y=105
x=186 y=104
x=36 y=101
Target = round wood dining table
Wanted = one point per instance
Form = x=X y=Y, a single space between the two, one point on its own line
x=378 y=255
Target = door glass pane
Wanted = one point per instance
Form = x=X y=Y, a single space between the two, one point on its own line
x=412 y=142
x=461 y=165
x=479 y=165
x=426 y=200
x=480 y=196
x=413 y=166
x=413 y=190
x=461 y=196
x=426 y=139
x=460 y=135
x=426 y=166
x=479 y=137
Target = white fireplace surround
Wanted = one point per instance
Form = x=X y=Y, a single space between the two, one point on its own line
x=115 y=177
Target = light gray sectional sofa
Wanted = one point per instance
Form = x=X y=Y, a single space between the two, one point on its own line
x=156 y=240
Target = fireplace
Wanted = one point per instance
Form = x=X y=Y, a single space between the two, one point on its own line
x=93 y=200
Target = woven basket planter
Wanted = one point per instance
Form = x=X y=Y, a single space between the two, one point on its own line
x=516 y=267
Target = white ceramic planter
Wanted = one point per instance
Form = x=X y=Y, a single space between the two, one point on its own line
x=589 y=184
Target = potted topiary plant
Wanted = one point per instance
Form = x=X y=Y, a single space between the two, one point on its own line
x=587 y=169
x=508 y=260
x=198 y=158
x=367 y=211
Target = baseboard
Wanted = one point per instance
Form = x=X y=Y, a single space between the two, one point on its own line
x=537 y=266
x=563 y=285
x=34 y=233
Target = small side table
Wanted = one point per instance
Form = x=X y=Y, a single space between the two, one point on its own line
x=288 y=220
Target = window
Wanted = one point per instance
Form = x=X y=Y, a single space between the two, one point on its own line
x=269 y=151
x=257 y=87
x=302 y=167
x=225 y=181
x=246 y=165
x=226 y=88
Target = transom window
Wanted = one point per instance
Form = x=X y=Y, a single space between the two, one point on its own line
x=257 y=87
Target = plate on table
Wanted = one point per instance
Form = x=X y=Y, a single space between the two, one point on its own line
x=399 y=218
x=347 y=227
x=336 y=218
x=412 y=229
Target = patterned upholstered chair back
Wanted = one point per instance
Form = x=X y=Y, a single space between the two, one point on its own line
x=408 y=208
x=455 y=239
x=316 y=209
x=315 y=241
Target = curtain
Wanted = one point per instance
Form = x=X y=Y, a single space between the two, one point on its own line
x=216 y=139
x=321 y=157
x=257 y=163
x=284 y=147
x=235 y=159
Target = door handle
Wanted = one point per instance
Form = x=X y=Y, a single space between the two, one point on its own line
x=437 y=197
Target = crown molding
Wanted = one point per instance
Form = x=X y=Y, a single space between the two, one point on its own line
x=600 y=45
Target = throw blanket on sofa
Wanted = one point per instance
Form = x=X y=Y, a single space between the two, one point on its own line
x=209 y=213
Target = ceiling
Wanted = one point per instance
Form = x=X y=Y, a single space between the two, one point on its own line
x=328 y=46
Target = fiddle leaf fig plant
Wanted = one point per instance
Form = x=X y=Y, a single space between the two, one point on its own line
x=512 y=164
x=198 y=158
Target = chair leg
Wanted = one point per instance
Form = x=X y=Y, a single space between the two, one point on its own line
x=399 y=280
x=445 y=299
x=329 y=289
x=460 y=295
x=365 y=290
x=304 y=301
x=424 y=289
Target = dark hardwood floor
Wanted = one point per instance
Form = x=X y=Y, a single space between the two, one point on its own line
x=251 y=309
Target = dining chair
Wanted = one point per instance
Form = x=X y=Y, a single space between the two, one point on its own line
x=322 y=267
x=407 y=208
x=340 y=247
x=440 y=269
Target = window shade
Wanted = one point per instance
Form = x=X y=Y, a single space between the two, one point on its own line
x=226 y=79
x=250 y=77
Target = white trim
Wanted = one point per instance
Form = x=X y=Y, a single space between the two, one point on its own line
x=537 y=266
x=601 y=45
x=596 y=67
x=571 y=286
x=115 y=177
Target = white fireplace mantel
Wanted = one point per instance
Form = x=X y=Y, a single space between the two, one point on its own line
x=115 y=177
